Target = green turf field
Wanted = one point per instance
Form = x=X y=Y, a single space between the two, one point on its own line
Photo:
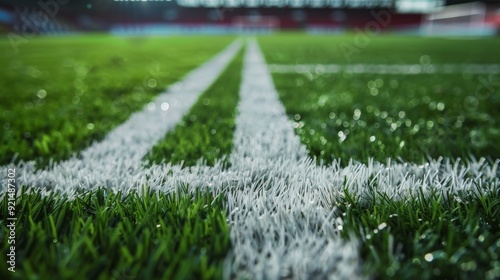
x=404 y=118
x=64 y=93
x=380 y=116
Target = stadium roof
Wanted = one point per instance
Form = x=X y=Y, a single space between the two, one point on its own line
x=105 y=4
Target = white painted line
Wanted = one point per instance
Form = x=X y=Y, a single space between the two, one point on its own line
x=116 y=161
x=281 y=224
x=396 y=69
x=280 y=204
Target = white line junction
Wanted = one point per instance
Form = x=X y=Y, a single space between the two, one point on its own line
x=280 y=204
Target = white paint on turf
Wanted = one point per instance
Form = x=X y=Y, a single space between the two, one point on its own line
x=394 y=69
x=282 y=225
x=280 y=204
x=116 y=161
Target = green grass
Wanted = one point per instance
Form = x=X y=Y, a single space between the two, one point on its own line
x=206 y=132
x=412 y=118
x=106 y=235
x=64 y=93
x=380 y=116
x=387 y=116
x=426 y=237
x=297 y=48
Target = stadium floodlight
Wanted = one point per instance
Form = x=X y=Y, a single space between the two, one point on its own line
x=458 y=20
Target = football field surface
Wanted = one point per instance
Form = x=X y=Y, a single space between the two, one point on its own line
x=274 y=157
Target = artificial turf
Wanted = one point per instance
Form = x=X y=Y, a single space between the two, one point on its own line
x=380 y=116
x=206 y=132
x=100 y=234
x=441 y=236
x=105 y=235
x=404 y=118
x=61 y=94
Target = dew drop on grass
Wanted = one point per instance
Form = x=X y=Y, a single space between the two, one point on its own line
x=151 y=106
x=428 y=257
x=427 y=99
x=425 y=59
x=164 y=106
x=297 y=117
x=322 y=100
x=90 y=126
x=213 y=131
x=432 y=106
x=76 y=100
x=152 y=83
x=206 y=101
x=35 y=73
x=471 y=103
x=440 y=106
x=372 y=138
x=374 y=91
x=415 y=69
x=408 y=123
x=341 y=135
x=480 y=238
x=158 y=225
x=41 y=94
x=468 y=266
x=331 y=115
x=402 y=144
x=340 y=227
x=382 y=226
x=357 y=114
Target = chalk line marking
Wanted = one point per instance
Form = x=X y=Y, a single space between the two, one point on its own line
x=280 y=204
x=395 y=69
x=281 y=225
x=116 y=161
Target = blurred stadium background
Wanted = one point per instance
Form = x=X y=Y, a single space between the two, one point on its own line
x=154 y=17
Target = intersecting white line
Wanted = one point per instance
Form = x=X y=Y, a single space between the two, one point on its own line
x=395 y=69
x=280 y=204
x=281 y=225
x=116 y=161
